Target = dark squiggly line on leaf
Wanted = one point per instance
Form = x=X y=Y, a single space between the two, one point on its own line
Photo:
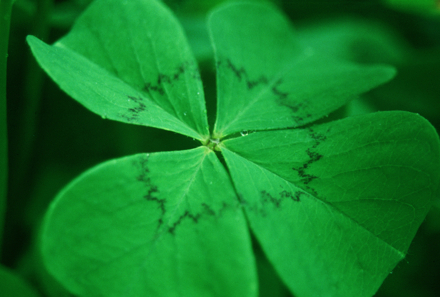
x=294 y=197
x=157 y=86
x=313 y=157
x=282 y=97
x=207 y=211
x=162 y=78
x=242 y=75
x=152 y=189
x=151 y=195
x=268 y=198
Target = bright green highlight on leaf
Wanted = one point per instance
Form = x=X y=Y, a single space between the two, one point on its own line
x=131 y=64
x=334 y=206
x=267 y=80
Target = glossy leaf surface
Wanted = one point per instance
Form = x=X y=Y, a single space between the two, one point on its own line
x=130 y=63
x=164 y=224
x=266 y=80
x=335 y=206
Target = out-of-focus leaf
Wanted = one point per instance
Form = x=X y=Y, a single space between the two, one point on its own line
x=11 y=285
x=357 y=40
x=419 y=6
x=415 y=87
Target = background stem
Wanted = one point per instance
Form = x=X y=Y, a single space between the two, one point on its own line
x=5 y=20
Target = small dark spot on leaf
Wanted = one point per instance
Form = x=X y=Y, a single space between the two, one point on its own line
x=134 y=111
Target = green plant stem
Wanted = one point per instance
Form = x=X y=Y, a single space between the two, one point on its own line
x=5 y=20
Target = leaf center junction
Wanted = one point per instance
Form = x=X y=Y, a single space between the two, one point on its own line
x=213 y=144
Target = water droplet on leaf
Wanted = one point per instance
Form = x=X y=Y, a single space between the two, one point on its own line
x=244 y=133
x=184 y=113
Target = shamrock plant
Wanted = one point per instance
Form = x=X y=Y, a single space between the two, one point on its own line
x=334 y=206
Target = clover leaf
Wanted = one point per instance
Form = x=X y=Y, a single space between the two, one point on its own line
x=125 y=67
x=334 y=206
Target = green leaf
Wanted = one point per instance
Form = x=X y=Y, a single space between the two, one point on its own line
x=357 y=40
x=163 y=224
x=266 y=80
x=414 y=88
x=335 y=206
x=129 y=61
x=11 y=285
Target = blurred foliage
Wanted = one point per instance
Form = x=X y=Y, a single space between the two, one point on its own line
x=13 y=286
x=417 y=6
x=59 y=143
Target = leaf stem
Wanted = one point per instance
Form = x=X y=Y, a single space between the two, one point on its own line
x=5 y=21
